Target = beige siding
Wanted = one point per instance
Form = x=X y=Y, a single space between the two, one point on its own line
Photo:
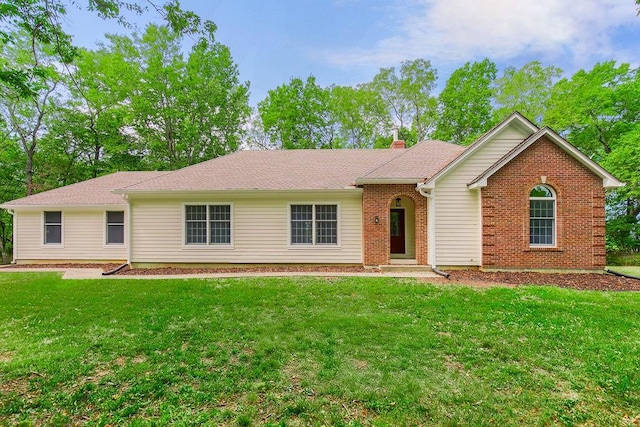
x=83 y=237
x=458 y=225
x=410 y=232
x=260 y=230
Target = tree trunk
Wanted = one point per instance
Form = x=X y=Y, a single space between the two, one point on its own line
x=28 y=171
x=3 y=243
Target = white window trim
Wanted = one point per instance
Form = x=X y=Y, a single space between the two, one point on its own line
x=105 y=230
x=313 y=245
x=207 y=245
x=42 y=232
x=555 y=217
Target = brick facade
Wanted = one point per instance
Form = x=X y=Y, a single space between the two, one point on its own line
x=376 y=202
x=580 y=215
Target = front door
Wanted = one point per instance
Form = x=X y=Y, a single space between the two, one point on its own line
x=396 y=230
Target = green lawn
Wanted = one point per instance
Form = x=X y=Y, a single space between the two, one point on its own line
x=631 y=270
x=314 y=351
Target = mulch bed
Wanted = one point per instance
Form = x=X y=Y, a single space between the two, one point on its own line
x=581 y=281
x=264 y=269
x=104 y=267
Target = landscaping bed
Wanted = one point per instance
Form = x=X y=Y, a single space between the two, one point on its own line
x=581 y=281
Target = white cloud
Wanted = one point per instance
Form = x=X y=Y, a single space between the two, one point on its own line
x=452 y=31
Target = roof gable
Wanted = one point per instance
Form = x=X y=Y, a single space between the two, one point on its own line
x=608 y=180
x=515 y=120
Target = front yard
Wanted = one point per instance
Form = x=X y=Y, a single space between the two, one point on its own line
x=314 y=351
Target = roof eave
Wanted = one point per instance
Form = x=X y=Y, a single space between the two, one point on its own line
x=612 y=184
x=347 y=188
x=608 y=180
x=362 y=181
x=61 y=206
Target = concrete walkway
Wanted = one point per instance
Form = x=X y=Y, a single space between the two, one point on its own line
x=96 y=273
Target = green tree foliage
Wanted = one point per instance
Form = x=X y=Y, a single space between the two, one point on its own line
x=408 y=95
x=42 y=21
x=599 y=112
x=184 y=110
x=26 y=117
x=465 y=109
x=595 y=108
x=11 y=172
x=297 y=115
x=525 y=90
x=88 y=134
x=361 y=115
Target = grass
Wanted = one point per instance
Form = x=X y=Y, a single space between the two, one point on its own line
x=628 y=269
x=314 y=351
x=623 y=258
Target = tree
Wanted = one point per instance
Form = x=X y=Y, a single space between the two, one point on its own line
x=183 y=111
x=26 y=116
x=42 y=21
x=297 y=115
x=408 y=95
x=598 y=111
x=595 y=108
x=361 y=115
x=526 y=90
x=257 y=138
x=465 y=103
x=11 y=172
x=87 y=136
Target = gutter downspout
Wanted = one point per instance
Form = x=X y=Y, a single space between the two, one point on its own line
x=14 y=246
x=431 y=226
x=129 y=229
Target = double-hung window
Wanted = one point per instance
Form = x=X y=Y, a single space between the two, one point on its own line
x=115 y=227
x=53 y=228
x=314 y=224
x=207 y=224
x=542 y=216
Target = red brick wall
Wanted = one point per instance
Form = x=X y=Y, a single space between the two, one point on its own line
x=376 y=201
x=579 y=212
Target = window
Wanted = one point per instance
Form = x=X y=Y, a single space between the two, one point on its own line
x=542 y=213
x=208 y=224
x=220 y=224
x=326 y=224
x=53 y=228
x=314 y=224
x=115 y=228
x=301 y=224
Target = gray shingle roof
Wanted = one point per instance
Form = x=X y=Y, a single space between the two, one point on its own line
x=420 y=161
x=97 y=191
x=304 y=169
x=260 y=170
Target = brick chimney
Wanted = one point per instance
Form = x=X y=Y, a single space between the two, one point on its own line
x=396 y=144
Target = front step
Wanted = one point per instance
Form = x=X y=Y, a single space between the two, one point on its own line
x=405 y=268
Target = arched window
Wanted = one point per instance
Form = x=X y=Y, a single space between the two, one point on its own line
x=542 y=216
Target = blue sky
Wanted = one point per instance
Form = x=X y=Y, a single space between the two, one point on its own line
x=346 y=42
